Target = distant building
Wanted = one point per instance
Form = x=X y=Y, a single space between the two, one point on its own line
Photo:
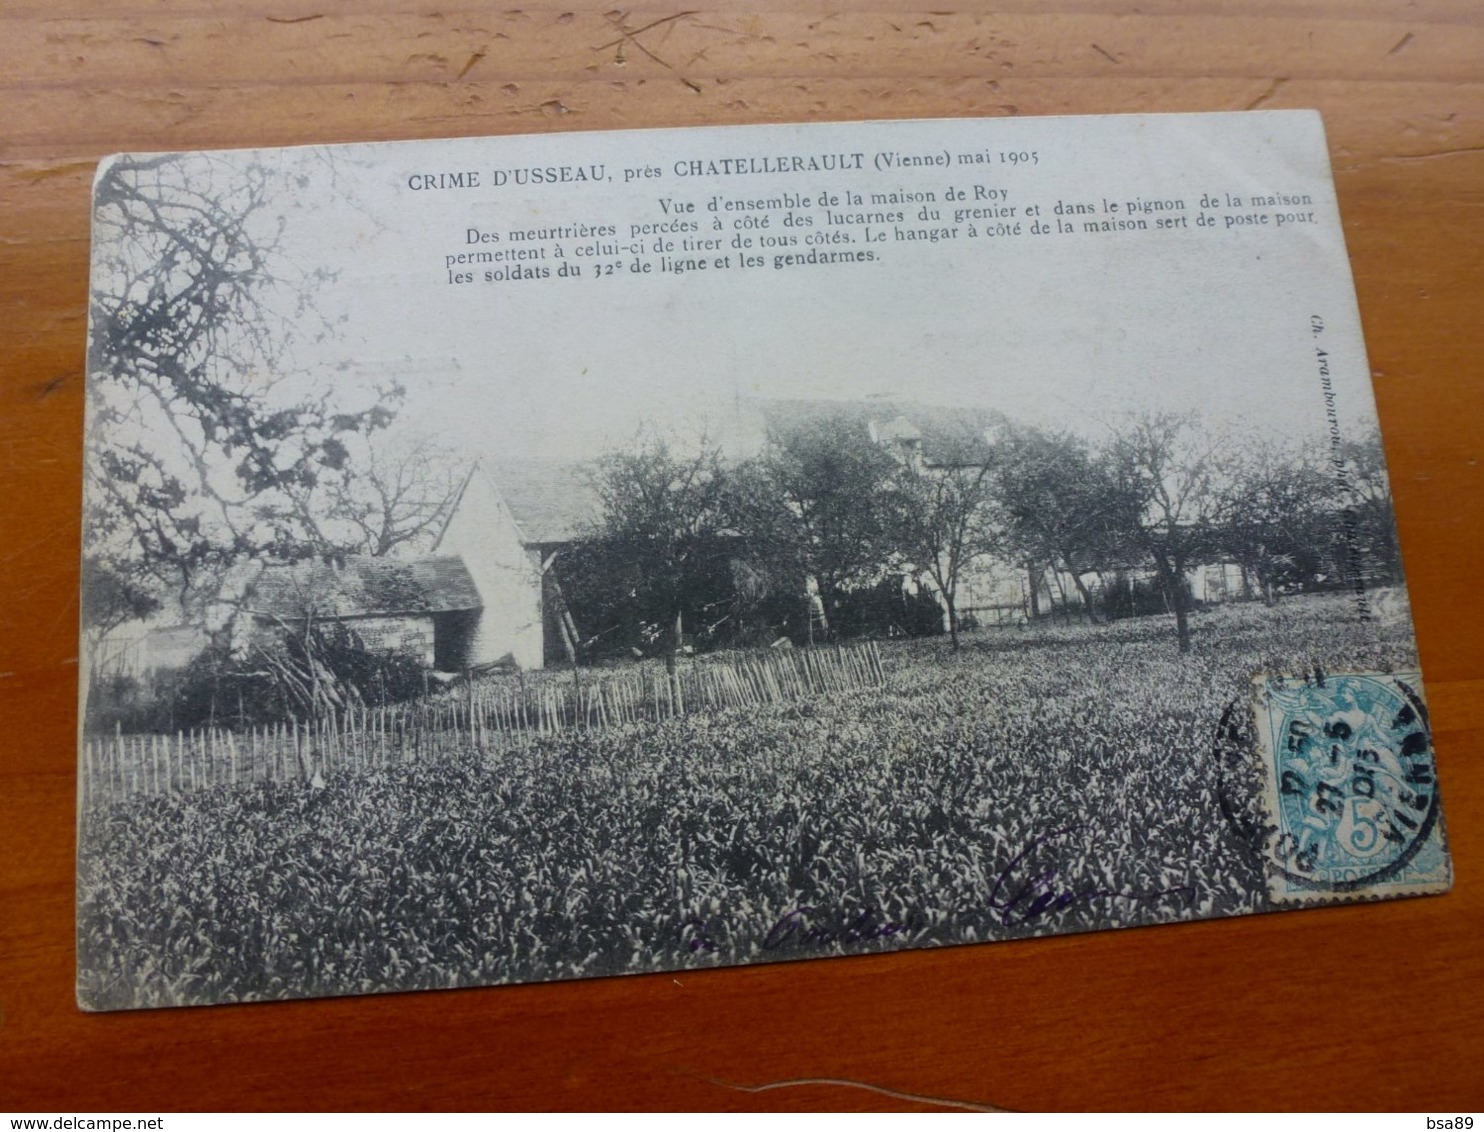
x=508 y=525
x=929 y=438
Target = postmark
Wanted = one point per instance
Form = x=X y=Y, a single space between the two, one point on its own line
x=1351 y=787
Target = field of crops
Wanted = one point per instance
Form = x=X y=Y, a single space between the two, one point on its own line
x=1040 y=781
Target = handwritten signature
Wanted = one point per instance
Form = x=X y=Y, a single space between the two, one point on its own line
x=804 y=927
x=1019 y=898
x=1022 y=892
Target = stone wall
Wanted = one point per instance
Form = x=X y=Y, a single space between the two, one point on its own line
x=410 y=633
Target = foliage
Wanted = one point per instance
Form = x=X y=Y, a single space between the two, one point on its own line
x=1128 y=596
x=619 y=617
x=818 y=504
x=888 y=609
x=663 y=540
x=204 y=441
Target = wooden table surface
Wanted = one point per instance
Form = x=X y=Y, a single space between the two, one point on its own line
x=1361 y=1007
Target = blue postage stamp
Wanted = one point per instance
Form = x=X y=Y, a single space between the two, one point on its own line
x=1352 y=791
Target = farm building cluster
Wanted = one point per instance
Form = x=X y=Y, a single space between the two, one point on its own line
x=490 y=592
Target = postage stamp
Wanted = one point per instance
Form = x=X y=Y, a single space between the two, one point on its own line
x=1351 y=787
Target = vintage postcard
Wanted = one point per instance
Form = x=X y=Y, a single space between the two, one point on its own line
x=529 y=558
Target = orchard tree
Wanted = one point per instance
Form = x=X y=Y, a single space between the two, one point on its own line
x=1060 y=506
x=821 y=507
x=1273 y=513
x=663 y=532
x=1164 y=474
x=1365 y=507
x=944 y=519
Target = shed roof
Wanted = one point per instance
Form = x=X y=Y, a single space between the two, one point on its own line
x=361 y=586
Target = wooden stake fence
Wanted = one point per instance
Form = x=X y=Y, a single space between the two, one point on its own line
x=485 y=713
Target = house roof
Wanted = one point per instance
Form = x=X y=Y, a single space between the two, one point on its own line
x=898 y=428
x=550 y=502
x=554 y=503
x=361 y=586
x=949 y=436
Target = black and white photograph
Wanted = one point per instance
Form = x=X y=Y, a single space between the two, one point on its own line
x=533 y=558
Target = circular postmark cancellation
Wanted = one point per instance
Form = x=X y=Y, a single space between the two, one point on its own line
x=1350 y=786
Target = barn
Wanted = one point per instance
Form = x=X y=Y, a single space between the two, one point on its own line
x=428 y=608
x=486 y=596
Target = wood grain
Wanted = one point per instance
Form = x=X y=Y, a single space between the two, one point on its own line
x=1361 y=1007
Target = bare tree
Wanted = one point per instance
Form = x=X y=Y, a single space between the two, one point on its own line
x=198 y=416
x=1164 y=475
x=394 y=493
x=944 y=521
x=1272 y=515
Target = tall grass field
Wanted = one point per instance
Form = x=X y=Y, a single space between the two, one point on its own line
x=1041 y=780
